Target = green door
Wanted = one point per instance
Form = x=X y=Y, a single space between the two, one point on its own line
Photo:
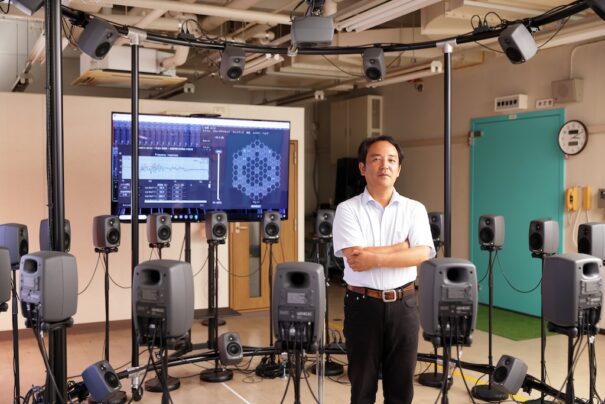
x=517 y=171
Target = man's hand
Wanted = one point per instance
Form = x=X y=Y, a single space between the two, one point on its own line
x=360 y=259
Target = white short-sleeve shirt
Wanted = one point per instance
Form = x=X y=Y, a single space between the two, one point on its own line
x=362 y=221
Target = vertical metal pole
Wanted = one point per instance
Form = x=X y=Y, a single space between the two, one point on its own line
x=212 y=321
x=188 y=242
x=134 y=181
x=447 y=146
x=106 y=262
x=56 y=215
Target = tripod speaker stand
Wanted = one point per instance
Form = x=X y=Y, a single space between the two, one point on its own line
x=218 y=374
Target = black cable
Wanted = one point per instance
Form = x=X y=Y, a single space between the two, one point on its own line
x=201 y=268
x=294 y=9
x=182 y=248
x=243 y=276
x=509 y=282
x=92 y=276
x=563 y=22
x=342 y=70
x=3 y=11
x=460 y=367
x=117 y=284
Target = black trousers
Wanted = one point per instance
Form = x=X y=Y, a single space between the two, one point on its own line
x=381 y=335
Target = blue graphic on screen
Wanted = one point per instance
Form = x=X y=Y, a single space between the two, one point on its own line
x=190 y=165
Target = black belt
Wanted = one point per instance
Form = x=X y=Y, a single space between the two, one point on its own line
x=389 y=295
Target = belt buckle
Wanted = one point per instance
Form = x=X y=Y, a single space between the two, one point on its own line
x=385 y=294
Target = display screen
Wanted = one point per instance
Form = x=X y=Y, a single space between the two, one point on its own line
x=190 y=165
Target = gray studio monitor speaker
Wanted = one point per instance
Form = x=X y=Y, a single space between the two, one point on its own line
x=45 y=235
x=298 y=304
x=491 y=231
x=216 y=226
x=373 y=64
x=447 y=288
x=162 y=290
x=517 y=43
x=13 y=236
x=271 y=226
x=591 y=239
x=159 y=228
x=323 y=223
x=101 y=380
x=97 y=38
x=49 y=282
x=571 y=283
x=509 y=374
x=232 y=65
x=436 y=221
x=28 y=7
x=230 y=348
x=543 y=236
x=5 y=275
x=106 y=231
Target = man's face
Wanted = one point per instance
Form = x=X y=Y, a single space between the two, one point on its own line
x=382 y=167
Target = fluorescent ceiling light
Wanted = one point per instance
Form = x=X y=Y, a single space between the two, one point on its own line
x=432 y=69
x=262 y=62
x=383 y=13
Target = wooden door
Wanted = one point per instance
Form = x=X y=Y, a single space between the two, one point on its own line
x=249 y=258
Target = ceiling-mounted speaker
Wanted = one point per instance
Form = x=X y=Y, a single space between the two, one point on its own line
x=517 y=43
x=598 y=6
x=233 y=61
x=28 y=7
x=97 y=38
x=373 y=64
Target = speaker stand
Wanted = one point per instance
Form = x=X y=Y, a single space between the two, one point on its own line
x=541 y=400
x=15 y=319
x=216 y=375
x=117 y=397
x=330 y=368
x=434 y=379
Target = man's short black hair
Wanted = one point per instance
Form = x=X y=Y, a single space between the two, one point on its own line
x=362 y=152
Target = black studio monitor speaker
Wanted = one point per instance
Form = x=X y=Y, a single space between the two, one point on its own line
x=159 y=228
x=45 y=235
x=323 y=223
x=106 y=231
x=271 y=226
x=5 y=275
x=491 y=231
x=49 y=282
x=101 y=380
x=571 y=283
x=436 y=221
x=230 y=348
x=162 y=290
x=216 y=226
x=517 y=43
x=509 y=374
x=448 y=289
x=373 y=64
x=232 y=65
x=13 y=236
x=543 y=236
x=97 y=38
x=591 y=239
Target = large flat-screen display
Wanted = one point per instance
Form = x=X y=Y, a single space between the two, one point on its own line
x=190 y=165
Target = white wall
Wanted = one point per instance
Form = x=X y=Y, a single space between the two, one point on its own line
x=87 y=134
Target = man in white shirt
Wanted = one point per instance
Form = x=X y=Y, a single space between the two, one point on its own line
x=383 y=236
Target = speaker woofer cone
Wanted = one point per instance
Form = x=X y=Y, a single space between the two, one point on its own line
x=536 y=243
x=113 y=236
x=325 y=229
x=435 y=231
x=500 y=374
x=373 y=73
x=233 y=349
x=164 y=233
x=112 y=380
x=584 y=246
x=272 y=230
x=23 y=247
x=219 y=230
x=486 y=235
x=234 y=73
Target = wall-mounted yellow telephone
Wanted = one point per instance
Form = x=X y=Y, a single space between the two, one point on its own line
x=572 y=199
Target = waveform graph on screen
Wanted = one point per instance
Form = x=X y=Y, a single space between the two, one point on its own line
x=169 y=168
x=256 y=170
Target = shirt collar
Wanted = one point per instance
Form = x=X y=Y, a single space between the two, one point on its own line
x=367 y=198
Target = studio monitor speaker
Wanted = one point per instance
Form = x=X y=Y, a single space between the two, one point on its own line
x=299 y=304
x=216 y=226
x=271 y=226
x=517 y=43
x=232 y=65
x=101 y=380
x=491 y=231
x=97 y=38
x=436 y=221
x=230 y=348
x=543 y=236
x=5 y=275
x=373 y=64
x=591 y=239
x=49 y=282
x=571 y=283
x=159 y=228
x=28 y=7
x=106 y=231
x=509 y=374
x=323 y=223
x=447 y=289
x=13 y=236
x=162 y=290
x=45 y=235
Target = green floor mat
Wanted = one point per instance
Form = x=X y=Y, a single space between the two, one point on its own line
x=508 y=324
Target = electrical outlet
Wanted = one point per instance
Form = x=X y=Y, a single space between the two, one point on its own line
x=510 y=102
x=545 y=103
